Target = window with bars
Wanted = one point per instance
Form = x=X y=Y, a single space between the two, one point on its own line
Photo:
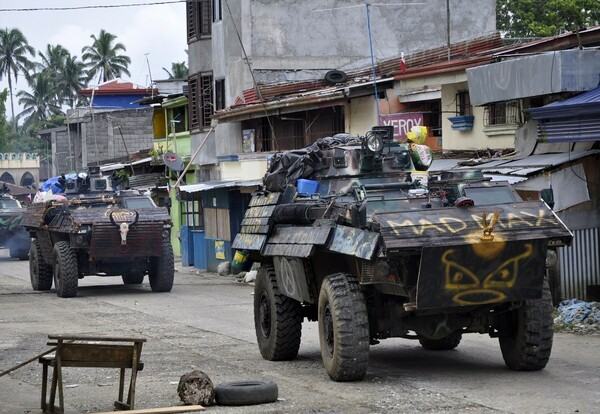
x=200 y=97
x=463 y=103
x=199 y=19
x=193 y=102
x=502 y=113
x=206 y=95
x=219 y=94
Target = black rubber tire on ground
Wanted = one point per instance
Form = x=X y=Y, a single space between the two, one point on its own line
x=40 y=272
x=66 y=274
x=444 y=344
x=343 y=328
x=162 y=269
x=133 y=278
x=528 y=343
x=246 y=393
x=277 y=318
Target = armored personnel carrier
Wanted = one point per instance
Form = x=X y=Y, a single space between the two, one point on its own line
x=347 y=236
x=12 y=235
x=92 y=230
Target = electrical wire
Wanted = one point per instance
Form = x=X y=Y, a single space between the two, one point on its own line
x=97 y=6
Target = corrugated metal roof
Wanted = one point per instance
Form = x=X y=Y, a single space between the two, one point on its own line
x=586 y=103
x=509 y=178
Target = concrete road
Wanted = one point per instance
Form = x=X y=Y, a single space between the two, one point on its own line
x=206 y=323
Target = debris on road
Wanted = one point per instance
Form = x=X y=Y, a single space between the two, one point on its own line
x=578 y=316
x=196 y=388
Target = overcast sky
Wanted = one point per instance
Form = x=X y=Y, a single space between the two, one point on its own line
x=156 y=30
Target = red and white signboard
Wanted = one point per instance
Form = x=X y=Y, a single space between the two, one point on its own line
x=402 y=123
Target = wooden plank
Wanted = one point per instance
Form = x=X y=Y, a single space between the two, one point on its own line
x=210 y=223
x=300 y=235
x=160 y=410
x=455 y=226
x=245 y=241
x=223 y=227
x=290 y=250
x=264 y=200
x=264 y=211
x=354 y=242
x=254 y=229
x=256 y=221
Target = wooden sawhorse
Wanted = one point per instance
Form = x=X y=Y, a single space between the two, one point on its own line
x=91 y=352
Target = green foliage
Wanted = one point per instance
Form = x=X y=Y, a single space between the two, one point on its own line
x=4 y=127
x=179 y=70
x=104 y=57
x=541 y=18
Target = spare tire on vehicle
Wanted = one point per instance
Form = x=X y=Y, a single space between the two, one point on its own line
x=335 y=76
x=246 y=393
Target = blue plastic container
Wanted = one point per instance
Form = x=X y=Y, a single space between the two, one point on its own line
x=307 y=187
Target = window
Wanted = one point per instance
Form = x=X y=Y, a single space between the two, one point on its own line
x=219 y=94
x=502 y=113
x=217 y=11
x=217 y=223
x=199 y=15
x=206 y=95
x=179 y=116
x=200 y=96
x=194 y=101
x=463 y=103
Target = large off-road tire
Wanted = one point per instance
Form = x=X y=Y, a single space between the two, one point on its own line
x=277 y=318
x=133 y=278
x=40 y=272
x=65 y=270
x=162 y=269
x=444 y=344
x=527 y=341
x=343 y=328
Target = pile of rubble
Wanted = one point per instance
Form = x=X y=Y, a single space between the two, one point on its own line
x=578 y=316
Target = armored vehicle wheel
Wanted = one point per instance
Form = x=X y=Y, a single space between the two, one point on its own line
x=343 y=328
x=444 y=344
x=133 y=278
x=162 y=269
x=40 y=272
x=65 y=270
x=277 y=318
x=527 y=344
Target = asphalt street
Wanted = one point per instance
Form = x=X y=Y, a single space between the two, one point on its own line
x=206 y=323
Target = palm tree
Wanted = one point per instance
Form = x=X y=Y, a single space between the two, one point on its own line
x=178 y=70
x=53 y=60
x=103 y=58
x=13 y=58
x=41 y=102
x=72 y=79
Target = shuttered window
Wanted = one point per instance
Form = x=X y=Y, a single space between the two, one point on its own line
x=206 y=94
x=193 y=100
x=199 y=19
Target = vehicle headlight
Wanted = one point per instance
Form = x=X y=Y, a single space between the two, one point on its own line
x=166 y=234
x=375 y=143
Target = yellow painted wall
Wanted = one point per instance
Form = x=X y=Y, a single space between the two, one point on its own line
x=253 y=169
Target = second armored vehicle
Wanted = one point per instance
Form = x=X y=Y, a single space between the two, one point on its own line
x=12 y=235
x=93 y=230
x=347 y=236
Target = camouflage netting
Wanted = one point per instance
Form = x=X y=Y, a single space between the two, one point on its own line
x=286 y=167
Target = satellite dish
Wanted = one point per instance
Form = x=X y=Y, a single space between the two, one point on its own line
x=173 y=161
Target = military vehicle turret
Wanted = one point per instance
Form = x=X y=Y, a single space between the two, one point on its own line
x=347 y=235
x=93 y=230
x=12 y=235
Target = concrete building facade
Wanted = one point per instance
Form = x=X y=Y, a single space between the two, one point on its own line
x=285 y=41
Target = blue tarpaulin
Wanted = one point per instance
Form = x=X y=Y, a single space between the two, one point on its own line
x=52 y=184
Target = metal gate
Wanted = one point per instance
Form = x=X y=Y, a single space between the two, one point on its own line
x=580 y=263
